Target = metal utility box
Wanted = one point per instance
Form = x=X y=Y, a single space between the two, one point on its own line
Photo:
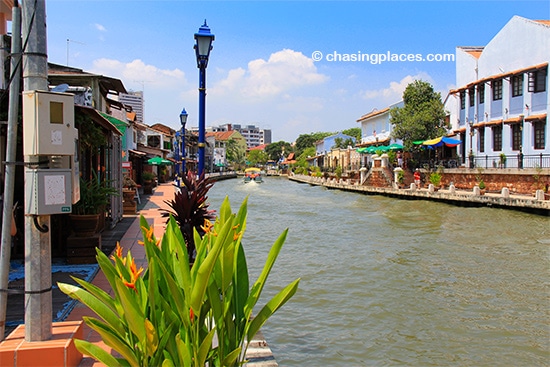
x=48 y=191
x=48 y=123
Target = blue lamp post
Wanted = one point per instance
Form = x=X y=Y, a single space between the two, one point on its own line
x=202 y=47
x=177 y=154
x=183 y=120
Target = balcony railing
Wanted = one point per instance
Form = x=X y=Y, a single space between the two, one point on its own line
x=512 y=161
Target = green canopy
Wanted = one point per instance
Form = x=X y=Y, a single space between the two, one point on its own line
x=395 y=146
x=157 y=161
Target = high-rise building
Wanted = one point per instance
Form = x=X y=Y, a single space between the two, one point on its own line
x=134 y=100
x=253 y=135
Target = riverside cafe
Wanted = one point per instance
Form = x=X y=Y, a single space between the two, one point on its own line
x=438 y=151
x=441 y=151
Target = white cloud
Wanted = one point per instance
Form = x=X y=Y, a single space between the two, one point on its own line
x=285 y=70
x=100 y=27
x=140 y=74
x=394 y=92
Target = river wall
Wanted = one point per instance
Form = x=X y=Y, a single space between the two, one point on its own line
x=537 y=204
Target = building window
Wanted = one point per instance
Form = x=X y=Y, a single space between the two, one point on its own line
x=496 y=85
x=471 y=94
x=497 y=138
x=481 y=93
x=537 y=80
x=462 y=100
x=516 y=136
x=481 y=132
x=517 y=85
x=153 y=141
x=539 y=129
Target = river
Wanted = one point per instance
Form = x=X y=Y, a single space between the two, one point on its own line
x=389 y=282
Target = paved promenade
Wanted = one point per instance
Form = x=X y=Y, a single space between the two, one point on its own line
x=259 y=353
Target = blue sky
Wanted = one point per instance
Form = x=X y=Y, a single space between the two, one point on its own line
x=261 y=70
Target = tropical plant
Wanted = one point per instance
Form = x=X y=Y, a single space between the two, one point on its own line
x=190 y=209
x=435 y=178
x=481 y=185
x=502 y=159
x=94 y=196
x=147 y=175
x=400 y=176
x=169 y=314
x=338 y=172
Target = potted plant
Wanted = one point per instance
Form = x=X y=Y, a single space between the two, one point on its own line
x=435 y=179
x=94 y=197
x=148 y=177
x=502 y=161
x=482 y=187
x=128 y=189
x=400 y=178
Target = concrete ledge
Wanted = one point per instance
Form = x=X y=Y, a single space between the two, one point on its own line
x=59 y=351
x=259 y=354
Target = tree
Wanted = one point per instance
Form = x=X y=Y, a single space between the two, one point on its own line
x=355 y=132
x=275 y=150
x=343 y=143
x=235 y=154
x=257 y=157
x=422 y=116
x=308 y=140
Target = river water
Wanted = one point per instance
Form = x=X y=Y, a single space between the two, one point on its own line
x=389 y=282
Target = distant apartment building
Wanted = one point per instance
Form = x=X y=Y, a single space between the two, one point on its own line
x=134 y=100
x=253 y=135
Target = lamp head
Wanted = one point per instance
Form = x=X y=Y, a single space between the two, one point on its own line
x=203 y=45
x=183 y=117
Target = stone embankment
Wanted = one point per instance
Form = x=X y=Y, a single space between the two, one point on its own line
x=537 y=204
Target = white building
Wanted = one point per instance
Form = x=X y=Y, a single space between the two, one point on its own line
x=134 y=100
x=376 y=127
x=502 y=99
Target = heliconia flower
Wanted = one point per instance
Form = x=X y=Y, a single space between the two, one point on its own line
x=148 y=233
x=134 y=275
x=207 y=227
x=236 y=235
x=118 y=252
x=191 y=314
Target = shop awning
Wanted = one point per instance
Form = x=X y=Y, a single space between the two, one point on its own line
x=119 y=124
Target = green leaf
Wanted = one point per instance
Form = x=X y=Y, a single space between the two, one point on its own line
x=96 y=305
x=271 y=307
x=205 y=270
x=259 y=284
x=113 y=340
x=100 y=354
x=132 y=311
x=205 y=347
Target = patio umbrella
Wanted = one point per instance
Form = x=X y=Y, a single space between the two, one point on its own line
x=395 y=146
x=450 y=142
x=157 y=161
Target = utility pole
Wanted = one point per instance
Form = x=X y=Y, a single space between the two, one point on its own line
x=11 y=152
x=38 y=274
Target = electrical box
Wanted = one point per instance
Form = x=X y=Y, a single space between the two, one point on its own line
x=48 y=123
x=48 y=191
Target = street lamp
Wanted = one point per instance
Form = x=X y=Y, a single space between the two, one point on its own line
x=471 y=155
x=202 y=47
x=183 y=120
